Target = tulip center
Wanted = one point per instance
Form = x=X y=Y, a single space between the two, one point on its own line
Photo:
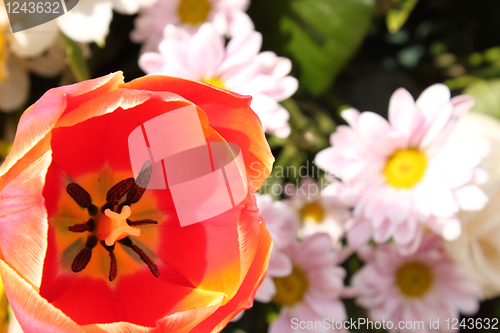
x=312 y=212
x=193 y=12
x=405 y=168
x=291 y=289
x=414 y=279
x=110 y=224
x=216 y=82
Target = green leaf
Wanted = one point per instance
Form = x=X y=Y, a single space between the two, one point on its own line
x=487 y=95
x=397 y=16
x=77 y=62
x=323 y=36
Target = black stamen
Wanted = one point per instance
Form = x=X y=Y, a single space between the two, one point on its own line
x=82 y=227
x=113 y=268
x=144 y=175
x=144 y=257
x=81 y=260
x=141 y=183
x=81 y=197
x=141 y=222
x=116 y=193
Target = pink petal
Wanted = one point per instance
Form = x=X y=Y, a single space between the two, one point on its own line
x=402 y=111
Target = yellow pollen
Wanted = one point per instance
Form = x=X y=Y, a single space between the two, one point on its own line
x=216 y=82
x=405 y=168
x=290 y=289
x=313 y=212
x=112 y=226
x=414 y=278
x=193 y=12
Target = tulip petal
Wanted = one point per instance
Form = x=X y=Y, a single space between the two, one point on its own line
x=23 y=218
x=244 y=297
x=229 y=115
x=42 y=116
x=33 y=312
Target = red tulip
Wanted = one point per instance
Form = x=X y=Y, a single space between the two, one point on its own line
x=85 y=249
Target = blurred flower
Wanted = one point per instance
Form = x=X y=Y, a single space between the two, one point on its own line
x=423 y=286
x=311 y=292
x=68 y=177
x=239 y=67
x=89 y=20
x=31 y=50
x=410 y=172
x=280 y=221
x=227 y=16
x=478 y=248
x=317 y=212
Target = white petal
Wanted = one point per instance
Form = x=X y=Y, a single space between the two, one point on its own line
x=87 y=22
x=471 y=197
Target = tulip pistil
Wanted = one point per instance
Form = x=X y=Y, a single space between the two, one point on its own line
x=110 y=224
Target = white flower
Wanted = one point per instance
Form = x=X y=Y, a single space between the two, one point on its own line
x=227 y=16
x=478 y=247
x=37 y=50
x=89 y=20
x=238 y=67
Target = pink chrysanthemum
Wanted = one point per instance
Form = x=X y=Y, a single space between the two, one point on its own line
x=421 y=287
x=311 y=292
x=227 y=16
x=280 y=221
x=238 y=67
x=408 y=168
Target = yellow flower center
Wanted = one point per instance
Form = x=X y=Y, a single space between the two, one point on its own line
x=312 y=212
x=405 y=168
x=290 y=289
x=216 y=82
x=414 y=278
x=113 y=226
x=193 y=12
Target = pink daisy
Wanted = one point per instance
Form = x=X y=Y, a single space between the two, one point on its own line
x=421 y=287
x=409 y=169
x=227 y=16
x=238 y=67
x=311 y=292
x=280 y=220
x=317 y=211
